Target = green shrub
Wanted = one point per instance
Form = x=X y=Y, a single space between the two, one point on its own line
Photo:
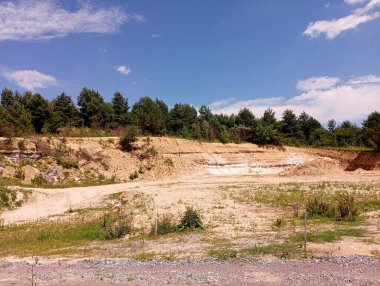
x=120 y=226
x=128 y=139
x=134 y=175
x=346 y=207
x=315 y=207
x=165 y=225
x=191 y=219
x=67 y=162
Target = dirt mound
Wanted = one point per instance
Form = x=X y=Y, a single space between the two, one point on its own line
x=315 y=167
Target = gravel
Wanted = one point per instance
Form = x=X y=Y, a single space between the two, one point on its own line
x=353 y=270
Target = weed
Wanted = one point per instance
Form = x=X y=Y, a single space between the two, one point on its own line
x=145 y=256
x=346 y=207
x=169 y=162
x=223 y=254
x=165 y=225
x=134 y=175
x=284 y=250
x=191 y=219
x=329 y=235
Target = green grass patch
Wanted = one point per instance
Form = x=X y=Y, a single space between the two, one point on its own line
x=47 y=238
x=223 y=254
x=145 y=256
x=283 y=250
x=329 y=235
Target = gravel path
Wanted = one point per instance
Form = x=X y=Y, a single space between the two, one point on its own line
x=355 y=270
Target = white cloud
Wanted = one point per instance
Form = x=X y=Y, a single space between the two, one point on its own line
x=352 y=100
x=30 y=79
x=123 y=70
x=38 y=20
x=369 y=79
x=334 y=27
x=355 y=2
x=317 y=83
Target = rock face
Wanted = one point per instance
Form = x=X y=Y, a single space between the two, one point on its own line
x=30 y=173
x=52 y=175
x=9 y=172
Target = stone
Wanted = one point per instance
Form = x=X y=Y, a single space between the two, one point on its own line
x=9 y=172
x=30 y=173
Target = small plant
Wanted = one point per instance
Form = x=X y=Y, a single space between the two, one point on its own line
x=67 y=162
x=38 y=180
x=33 y=272
x=164 y=225
x=191 y=219
x=223 y=254
x=317 y=207
x=346 y=207
x=152 y=151
x=128 y=139
x=169 y=162
x=120 y=227
x=134 y=175
x=279 y=222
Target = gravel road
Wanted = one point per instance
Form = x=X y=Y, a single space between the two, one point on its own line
x=354 y=270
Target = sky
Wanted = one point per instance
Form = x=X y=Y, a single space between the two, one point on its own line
x=319 y=56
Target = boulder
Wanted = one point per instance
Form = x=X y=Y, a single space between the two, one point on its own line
x=9 y=172
x=30 y=173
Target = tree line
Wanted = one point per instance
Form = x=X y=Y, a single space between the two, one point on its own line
x=31 y=113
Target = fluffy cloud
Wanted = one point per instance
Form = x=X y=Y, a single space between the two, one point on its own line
x=30 y=79
x=352 y=100
x=37 y=20
x=334 y=27
x=123 y=70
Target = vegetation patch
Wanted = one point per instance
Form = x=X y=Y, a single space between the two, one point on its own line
x=329 y=235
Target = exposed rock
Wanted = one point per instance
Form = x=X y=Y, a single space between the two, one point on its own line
x=9 y=172
x=52 y=175
x=30 y=173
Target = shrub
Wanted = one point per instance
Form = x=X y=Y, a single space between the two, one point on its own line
x=119 y=227
x=165 y=225
x=346 y=207
x=134 y=175
x=316 y=207
x=128 y=139
x=191 y=219
x=67 y=162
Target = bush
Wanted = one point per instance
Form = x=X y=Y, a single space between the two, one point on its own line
x=346 y=207
x=128 y=139
x=165 y=225
x=120 y=227
x=319 y=208
x=191 y=219
x=134 y=175
x=67 y=162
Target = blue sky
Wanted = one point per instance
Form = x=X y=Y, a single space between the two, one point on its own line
x=318 y=56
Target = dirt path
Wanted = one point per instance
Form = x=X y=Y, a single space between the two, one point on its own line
x=354 y=270
x=48 y=202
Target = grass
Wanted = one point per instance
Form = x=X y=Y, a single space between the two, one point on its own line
x=283 y=250
x=12 y=198
x=329 y=235
x=64 y=185
x=367 y=195
x=51 y=237
x=145 y=256
x=223 y=254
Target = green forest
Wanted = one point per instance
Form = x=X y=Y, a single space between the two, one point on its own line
x=28 y=113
